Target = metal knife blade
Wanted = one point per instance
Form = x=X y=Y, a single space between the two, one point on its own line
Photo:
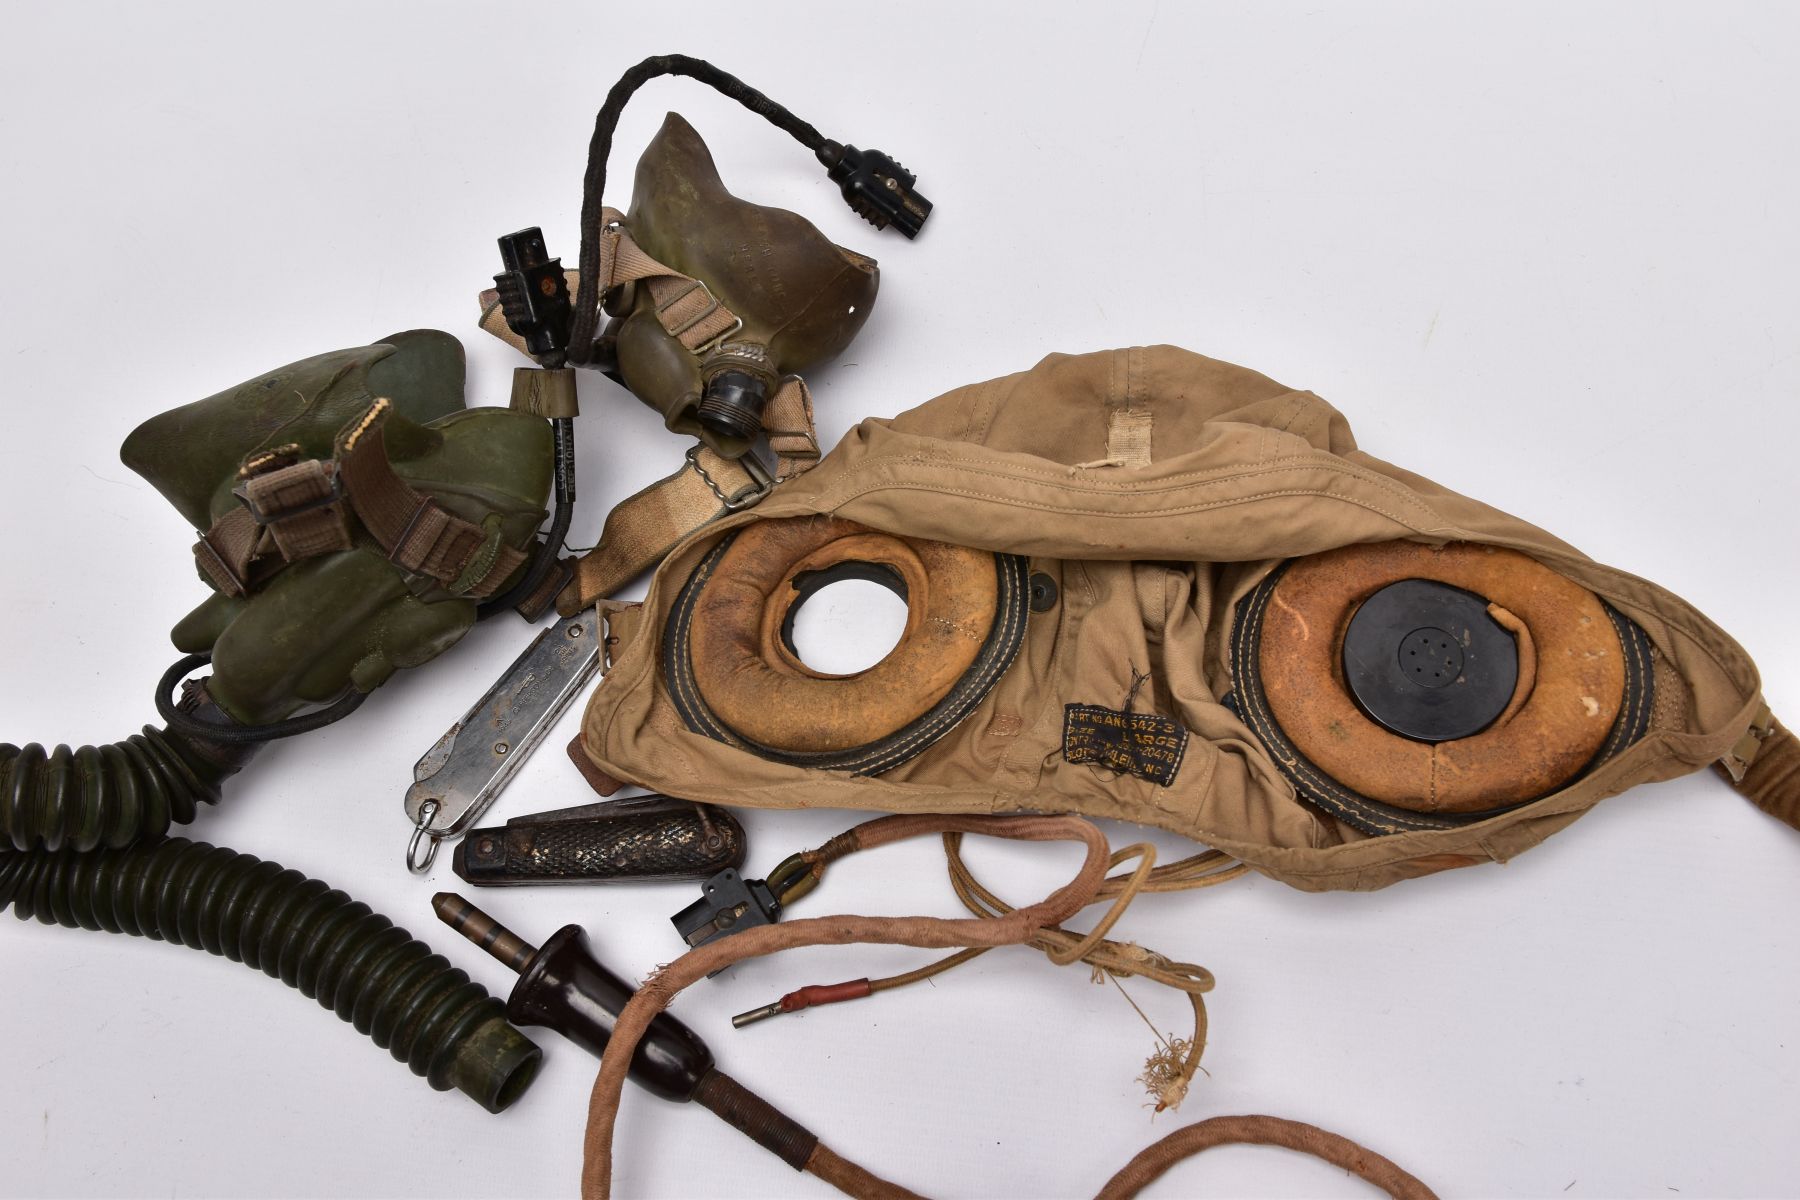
x=459 y=777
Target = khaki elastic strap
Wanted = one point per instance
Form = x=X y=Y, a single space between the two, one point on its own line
x=641 y=531
x=685 y=306
x=1765 y=766
x=689 y=311
x=418 y=534
x=643 y=528
x=788 y=422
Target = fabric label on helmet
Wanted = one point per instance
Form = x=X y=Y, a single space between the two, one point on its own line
x=1148 y=745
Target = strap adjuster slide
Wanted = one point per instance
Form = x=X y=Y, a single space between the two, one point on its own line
x=761 y=481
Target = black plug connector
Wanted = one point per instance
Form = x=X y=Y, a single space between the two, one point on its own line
x=877 y=188
x=728 y=904
x=565 y=988
x=534 y=295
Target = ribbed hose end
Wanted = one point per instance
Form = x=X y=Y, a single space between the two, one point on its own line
x=495 y=1065
x=314 y=938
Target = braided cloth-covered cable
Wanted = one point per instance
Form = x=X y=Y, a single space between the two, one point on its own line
x=593 y=184
x=1014 y=927
x=1167 y=1073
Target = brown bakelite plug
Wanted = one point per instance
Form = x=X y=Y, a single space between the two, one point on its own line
x=564 y=987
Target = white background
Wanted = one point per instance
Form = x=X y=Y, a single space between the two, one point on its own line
x=1547 y=254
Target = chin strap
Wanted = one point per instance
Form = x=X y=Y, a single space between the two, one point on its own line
x=642 y=529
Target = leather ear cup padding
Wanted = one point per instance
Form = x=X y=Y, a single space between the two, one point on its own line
x=1585 y=693
x=734 y=677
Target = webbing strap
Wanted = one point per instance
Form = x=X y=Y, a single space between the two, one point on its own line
x=290 y=508
x=1765 y=766
x=788 y=422
x=418 y=534
x=642 y=529
x=685 y=305
x=299 y=503
x=226 y=551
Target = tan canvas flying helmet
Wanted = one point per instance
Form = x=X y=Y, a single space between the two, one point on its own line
x=1148 y=585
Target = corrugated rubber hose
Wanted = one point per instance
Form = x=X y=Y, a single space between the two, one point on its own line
x=312 y=937
x=99 y=796
x=87 y=829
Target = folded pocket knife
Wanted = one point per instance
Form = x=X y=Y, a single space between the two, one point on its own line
x=460 y=776
x=639 y=838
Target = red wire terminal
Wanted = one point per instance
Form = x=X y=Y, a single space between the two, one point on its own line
x=806 y=997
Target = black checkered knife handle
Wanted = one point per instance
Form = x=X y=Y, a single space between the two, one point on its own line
x=640 y=838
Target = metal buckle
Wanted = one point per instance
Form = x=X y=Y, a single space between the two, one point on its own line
x=217 y=569
x=762 y=482
x=713 y=305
